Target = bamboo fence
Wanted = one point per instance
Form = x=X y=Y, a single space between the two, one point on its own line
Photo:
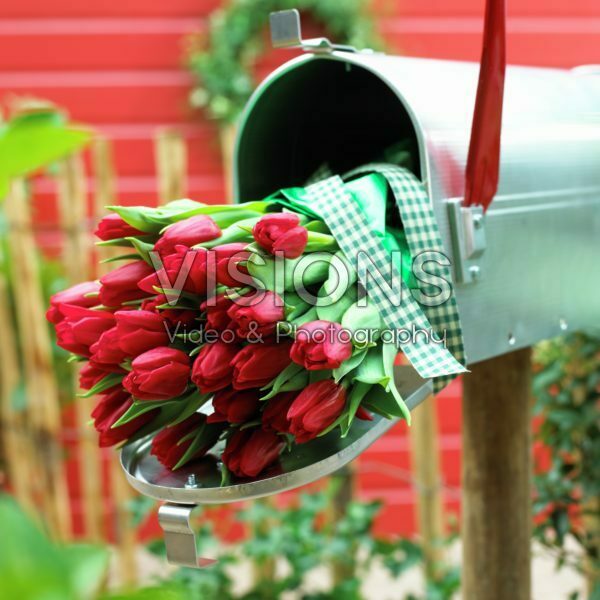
x=33 y=428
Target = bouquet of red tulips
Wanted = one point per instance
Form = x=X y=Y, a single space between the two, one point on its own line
x=242 y=324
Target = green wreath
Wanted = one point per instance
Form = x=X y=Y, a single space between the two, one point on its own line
x=223 y=67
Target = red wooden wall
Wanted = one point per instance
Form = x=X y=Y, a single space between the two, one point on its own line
x=118 y=66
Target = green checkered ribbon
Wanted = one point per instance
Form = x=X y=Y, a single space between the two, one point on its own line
x=350 y=227
x=422 y=235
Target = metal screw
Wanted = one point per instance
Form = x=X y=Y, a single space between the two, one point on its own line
x=477 y=221
x=563 y=324
x=191 y=481
x=475 y=272
x=512 y=340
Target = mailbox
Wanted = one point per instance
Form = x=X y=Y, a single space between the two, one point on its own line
x=527 y=270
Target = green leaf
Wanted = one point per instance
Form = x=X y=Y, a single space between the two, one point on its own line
x=363 y=318
x=104 y=384
x=348 y=365
x=192 y=403
x=371 y=370
x=358 y=392
x=143 y=249
x=36 y=139
x=207 y=435
x=138 y=408
x=286 y=375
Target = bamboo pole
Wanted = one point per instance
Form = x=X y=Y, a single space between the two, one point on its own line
x=227 y=133
x=171 y=165
x=43 y=407
x=16 y=443
x=125 y=532
x=496 y=479
x=425 y=455
x=77 y=249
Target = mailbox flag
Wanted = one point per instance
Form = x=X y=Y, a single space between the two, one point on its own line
x=483 y=163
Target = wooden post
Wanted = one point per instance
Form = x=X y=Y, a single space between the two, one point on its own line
x=425 y=454
x=171 y=165
x=77 y=259
x=43 y=403
x=496 y=479
x=125 y=533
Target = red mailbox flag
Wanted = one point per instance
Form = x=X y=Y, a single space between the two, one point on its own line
x=483 y=163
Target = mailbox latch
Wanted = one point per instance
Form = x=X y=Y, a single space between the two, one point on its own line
x=467 y=228
x=286 y=32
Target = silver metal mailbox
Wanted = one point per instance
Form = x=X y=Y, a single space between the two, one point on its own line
x=527 y=270
x=539 y=272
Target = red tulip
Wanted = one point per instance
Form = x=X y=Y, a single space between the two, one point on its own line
x=257 y=316
x=92 y=373
x=158 y=374
x=274 y=417
x=321 y=345
x=113 y=227
x=226 y=260
x=121 y=285
x=216 y=312
x=169 y=445
x=140 y=330
x=315 y=409
x=257 y=364
x=233 y=406
x=250 y=451
x=184 y=269
x=281 y=232
x=212 y=369
x=189 y=232
x=111 y=407
x=77 y=295
x=107 y=349
x=363 y=415
x=173 y=316
x=81 y=327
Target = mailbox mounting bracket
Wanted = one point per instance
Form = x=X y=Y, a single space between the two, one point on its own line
x=180 y=538
x=286 y=32
x=467 y=229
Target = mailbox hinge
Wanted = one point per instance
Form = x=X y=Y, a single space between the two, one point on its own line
x=180 y=538
x=467 y=229
x=286 y=32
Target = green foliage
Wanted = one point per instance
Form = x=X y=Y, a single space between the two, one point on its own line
x=303 y=538
x=235 y=39
x=567 y=389
x=35 y=139
x=32 y=567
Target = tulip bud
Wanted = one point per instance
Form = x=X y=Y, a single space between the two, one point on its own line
x=111 y=407
x=173 y=316
x=315 y=409
x=212 y=368
x=226 y=261
x=216 y=312
x=321 y=345
x=158 y=374
x=121 y=285
x=257 y=316
x=251 y=451
x=188 y=232
x=169 y=446
x=184 y=269
x=81 y=327
x=106 y=350
x=113 y=227
x=257 y=364
x=233 y=406
x=274 y=417
x=140 y=330
x=83 y=294
x=281 y=232
x=93 y=372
